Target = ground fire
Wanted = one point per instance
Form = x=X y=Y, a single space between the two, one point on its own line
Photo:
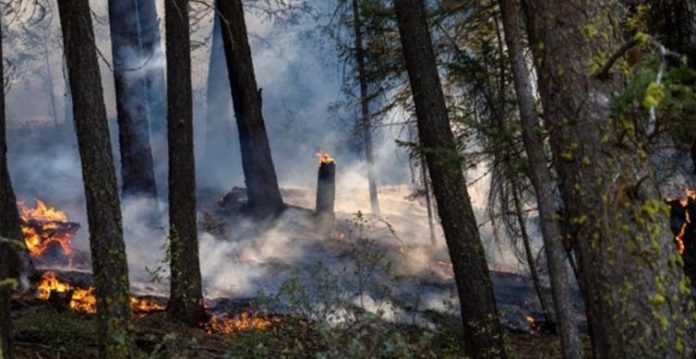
x=227 y=324
x=83 y=299
x=48 y=234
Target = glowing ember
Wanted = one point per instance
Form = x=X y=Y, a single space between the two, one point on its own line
x=44 y=227
x=324 y=157
x=531 y=321
x=83 y=299
x=227 y=324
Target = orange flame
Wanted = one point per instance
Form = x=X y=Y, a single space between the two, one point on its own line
x=227 y=324
x=679 y=239
x=83 y=299
x=142 y=305
x=324 y=157
x=41 y=228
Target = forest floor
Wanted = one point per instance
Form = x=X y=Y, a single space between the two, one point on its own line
x=391 y=295
x=40 y=331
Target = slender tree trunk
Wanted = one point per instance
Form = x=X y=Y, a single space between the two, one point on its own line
x=483 y=335
x=186 y=295
x=9 y=230
x=636 y=290
x=130 y=60
x=543 y=184
x=151 y=47
x=526 y=242
x=219 y=116
x=109 y=263
x=365 y=118
x=49 y=78
x=428 y=202
x=260 y=177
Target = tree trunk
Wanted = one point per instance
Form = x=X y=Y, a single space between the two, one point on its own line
x=151 y=47
x=186 y=295
x=526 y=242
x=483 y=335
x=365 y=123
x=543 y=184
x=219 y=116
x=260 y=177
x=636 y=292
x=101 y=193
x=428 y=203
x=130 y=61
x=9 y=230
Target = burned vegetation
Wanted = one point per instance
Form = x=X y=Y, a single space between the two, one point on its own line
x=481 y=180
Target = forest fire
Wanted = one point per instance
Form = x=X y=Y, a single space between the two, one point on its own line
x=83 y=299
x=47 y=232
x=227 y=324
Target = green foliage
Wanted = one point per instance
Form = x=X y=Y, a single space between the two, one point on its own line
x=65 y=330
x=674 y=100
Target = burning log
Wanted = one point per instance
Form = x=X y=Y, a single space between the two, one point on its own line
x=48 y=234
x=75 y=291
x=326 y=189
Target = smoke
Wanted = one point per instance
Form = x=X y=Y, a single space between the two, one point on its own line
x=247 y=257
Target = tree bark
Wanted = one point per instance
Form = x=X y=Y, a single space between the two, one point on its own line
x=483 y=335
x=101 y=193
x=130 y=62
x=219 y=116
x=543 y=183
x=9 y=230
x=365 y=123
x=260 y=176
x=186 y=294
x=637 y=296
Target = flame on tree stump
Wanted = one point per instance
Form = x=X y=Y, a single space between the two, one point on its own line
x=326 y=191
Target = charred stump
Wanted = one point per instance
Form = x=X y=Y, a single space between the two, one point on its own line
x=326 y=191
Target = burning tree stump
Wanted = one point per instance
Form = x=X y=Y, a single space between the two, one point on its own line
x=326 y=191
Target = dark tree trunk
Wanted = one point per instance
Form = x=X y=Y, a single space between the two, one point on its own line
x=186 y=295
x=326 y=192
x=483 y=335
x=365 y=123
x=260 y=177
x=674 y=23
x=219 y=134
x=101 y=193
x=130 y=62
x=9 y=230
x=636 y=293
x=6 y=351
x=543 y=183
x=693 y=155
